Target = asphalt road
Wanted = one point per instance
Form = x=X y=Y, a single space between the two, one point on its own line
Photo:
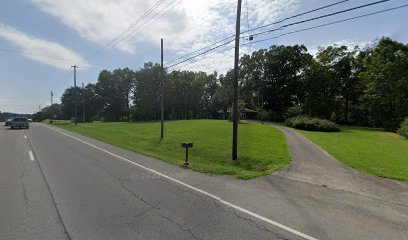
x=54 y=187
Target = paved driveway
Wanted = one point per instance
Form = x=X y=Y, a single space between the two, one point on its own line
x=311 y=164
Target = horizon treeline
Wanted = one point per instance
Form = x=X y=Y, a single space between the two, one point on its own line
x=363 y=87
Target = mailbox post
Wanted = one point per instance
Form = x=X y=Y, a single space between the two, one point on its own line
x=187 y=145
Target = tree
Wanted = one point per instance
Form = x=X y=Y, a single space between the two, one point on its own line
x=275 y=75
x=68 y=102
x=320 y=89
x=340 y=63
x=385 y=78
x=146 y=92
x=113 y=89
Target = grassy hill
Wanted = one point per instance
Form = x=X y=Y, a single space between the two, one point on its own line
x=262 y=149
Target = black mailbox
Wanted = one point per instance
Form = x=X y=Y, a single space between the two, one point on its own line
x=186 y=145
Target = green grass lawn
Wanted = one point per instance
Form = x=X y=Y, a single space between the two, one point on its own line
x=262 y=149
x=368 y=150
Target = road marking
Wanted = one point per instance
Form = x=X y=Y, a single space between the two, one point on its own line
x=25 y=136
x=255 y=215
x=31 y=155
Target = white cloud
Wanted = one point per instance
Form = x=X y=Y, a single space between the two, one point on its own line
x=349 y=43
x=189 y=26
x=46 y=52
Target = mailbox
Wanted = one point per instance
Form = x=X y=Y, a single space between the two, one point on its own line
x=186 y=145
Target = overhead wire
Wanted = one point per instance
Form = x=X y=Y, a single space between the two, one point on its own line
x=148 y=23
x=278 y=29
x=331 y=23
x=124 y=32
x=260 y=27
x=303 y=30
x=247 y=18
x=319 y=17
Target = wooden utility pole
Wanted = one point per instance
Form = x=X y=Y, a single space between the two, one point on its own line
x=76 y=95
x=235 y=84
x=83 y=104
x=162 y=93
x=51 y=112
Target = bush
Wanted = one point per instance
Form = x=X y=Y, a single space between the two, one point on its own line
x=403 y=130
x=312 y=124
x=293 y=112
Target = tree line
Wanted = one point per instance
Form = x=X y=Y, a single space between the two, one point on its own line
x=364 y=87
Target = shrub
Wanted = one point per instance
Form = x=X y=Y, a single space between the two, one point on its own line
x=293 y=112
x=403 y=130
x=312 y=124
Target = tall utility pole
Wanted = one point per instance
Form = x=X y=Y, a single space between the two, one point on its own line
x=162 y=93
x=83 y=104
x=51 y=112
x=76 y=95
x=235 y=83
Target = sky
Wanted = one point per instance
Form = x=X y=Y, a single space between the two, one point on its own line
x=41 y=39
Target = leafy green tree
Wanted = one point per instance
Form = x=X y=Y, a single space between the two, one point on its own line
x=113 y=89
x=68 y=99
x=320 y=89
x=340 y=62
x=385 y=78
x=146 y=92
x=275 y=75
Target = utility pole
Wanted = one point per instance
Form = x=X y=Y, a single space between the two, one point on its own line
x=162 y=93
x=235 y=83
x=83 y=104
x=76 y=95
x=52 y=94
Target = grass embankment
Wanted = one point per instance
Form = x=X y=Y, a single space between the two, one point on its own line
x=368 y=150
x=262 y=149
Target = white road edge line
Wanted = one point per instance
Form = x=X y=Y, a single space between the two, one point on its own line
x=31 y=155
x=255 y=215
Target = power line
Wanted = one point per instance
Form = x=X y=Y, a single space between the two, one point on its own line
x=247 y=18
x=307 y=29
x=331 y=23
x=260 y=27
x=174 y=4
x=149 y=22
x=320 y=17
x=124 y=32
x=202 y=53
x=199 y=50
x=299 y=15
x=280 y=28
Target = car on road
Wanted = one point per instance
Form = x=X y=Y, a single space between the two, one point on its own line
x=7 y=122
x=19 y=122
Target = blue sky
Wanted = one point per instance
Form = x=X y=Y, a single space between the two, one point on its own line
x=41 y=39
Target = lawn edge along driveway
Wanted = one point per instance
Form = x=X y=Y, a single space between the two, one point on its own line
x=262 y=150
x=368 y=150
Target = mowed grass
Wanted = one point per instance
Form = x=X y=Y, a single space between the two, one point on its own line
x=371 y=151
x=262 y=149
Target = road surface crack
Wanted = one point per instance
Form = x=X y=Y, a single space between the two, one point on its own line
x=179 y=226
x=262 y=228
x=156 y=207
x=23 y=187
